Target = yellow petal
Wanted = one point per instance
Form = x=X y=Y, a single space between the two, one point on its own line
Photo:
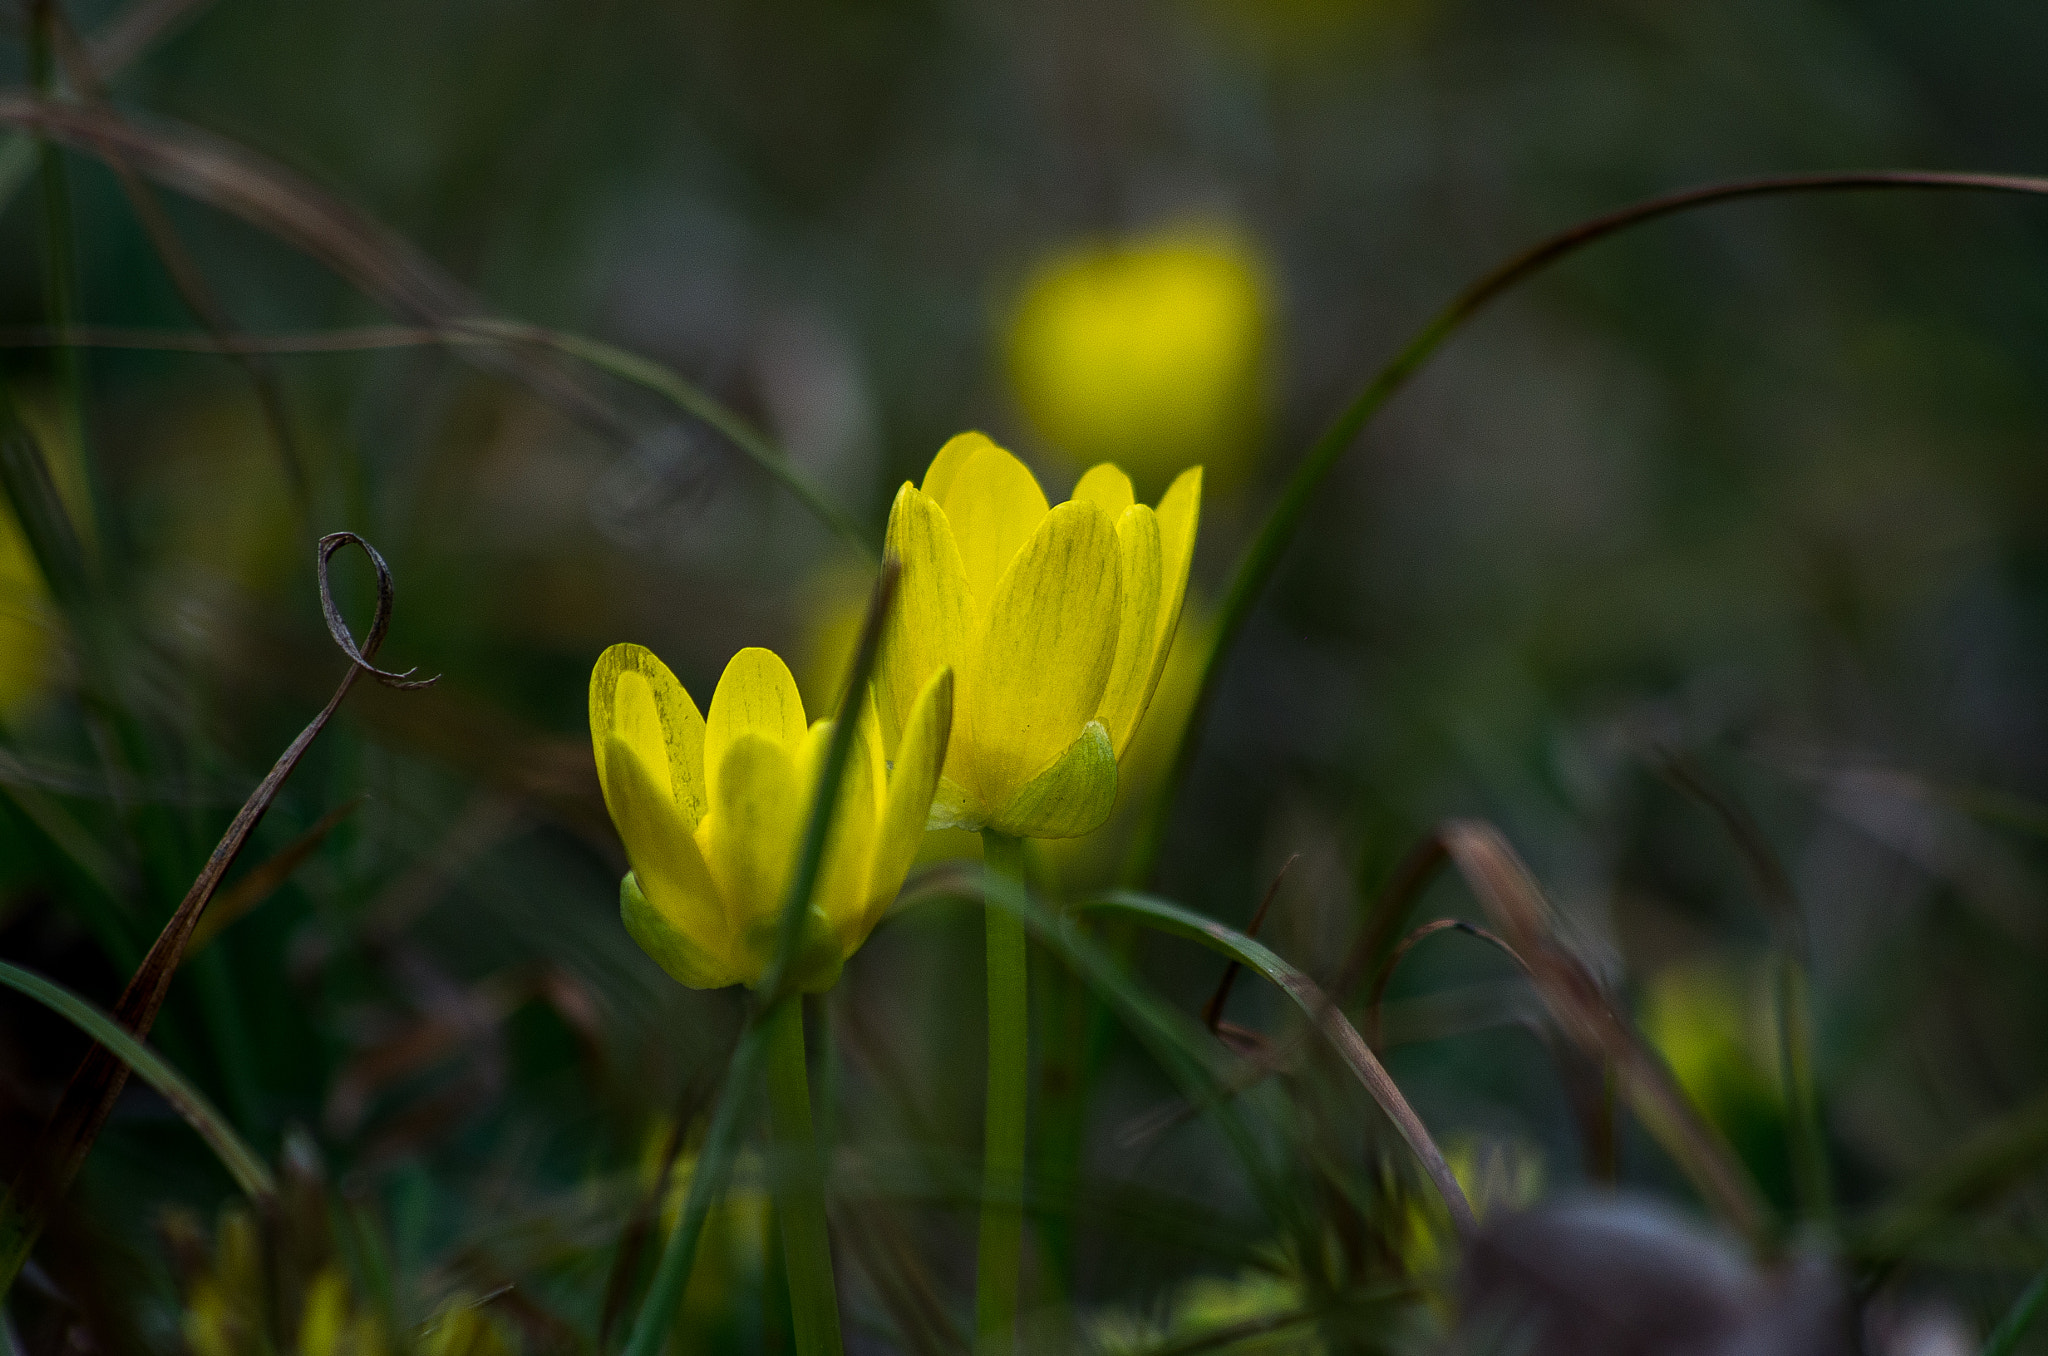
x=673 y=949
x=755 y=695
x=1130 y=677
x=1108 y=487
x=933 y=618
x=912 y=783
x=958 y=451
x=672 y=877
x=1038 y=675
x=1071 y=796
x=659 y=720
x=750 y=835
x=1180 y=513
x=841 y=889
x=993 y=505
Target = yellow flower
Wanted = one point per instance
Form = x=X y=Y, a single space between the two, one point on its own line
x=1148 y=353
x=1057 y=621
x=711 y=812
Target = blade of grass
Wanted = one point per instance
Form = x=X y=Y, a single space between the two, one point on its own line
x=1988 y=1163
x=251 y=1174
x=1574 y=997
x=1263 y=555
x=1407 y=944
x=2005 y=1338
x=96 y=1085
x=721 y=1140
x=1812 y=1174
x=1183 y=1049
x=1166 y=916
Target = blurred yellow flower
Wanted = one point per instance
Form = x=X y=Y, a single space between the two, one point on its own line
x=1494 y=1175
x=28 y=631
x=463 y=1327
x=1714 y=1023
x=1150 y=354
x=229 y=1303
x=732 y=1254
x=1058 y=622
x=711 y=812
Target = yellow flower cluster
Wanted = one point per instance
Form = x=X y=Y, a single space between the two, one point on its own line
x=1024 y=646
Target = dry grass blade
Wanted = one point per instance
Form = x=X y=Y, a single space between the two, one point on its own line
x=391 y=270
x=1388 y=912
x=123 y=40
x=1407 y=944
x=1212 y=1011
x=1321 y=1010
x=185 y=273
x=139 y=28
x=462 y=335
x=1575 y=1000
x=96 y=1085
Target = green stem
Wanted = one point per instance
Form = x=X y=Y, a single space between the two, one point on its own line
x=1009 y=1062
x=799 y=1185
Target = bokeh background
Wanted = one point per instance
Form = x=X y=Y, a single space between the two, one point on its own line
x=1750 y=500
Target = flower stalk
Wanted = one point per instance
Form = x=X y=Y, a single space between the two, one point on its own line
x=999 y=1262
x=799 y=1185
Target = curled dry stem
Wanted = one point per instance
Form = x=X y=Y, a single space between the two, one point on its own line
x=88 y=1099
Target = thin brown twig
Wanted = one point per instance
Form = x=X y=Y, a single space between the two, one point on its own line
x=1212 y=1011
x=1407 y=943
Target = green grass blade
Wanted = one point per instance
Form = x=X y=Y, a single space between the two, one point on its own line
x=1255 y=567
x=249 y=1171
x=2005 y=1338
x=1186 y=1052
x=689 y=398
x=1987 y=1164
